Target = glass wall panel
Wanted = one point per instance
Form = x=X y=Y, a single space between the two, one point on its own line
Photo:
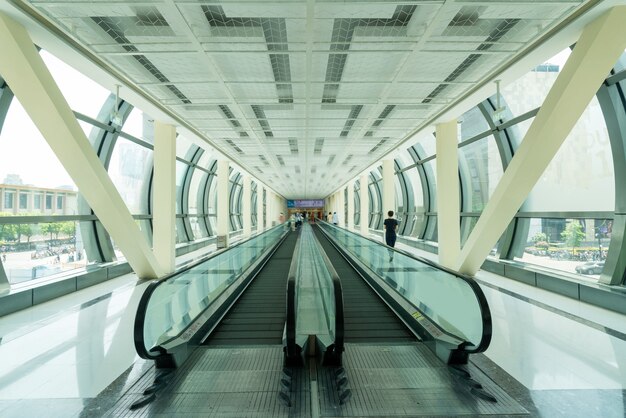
x=481 y=169
x=26 y=157
x=33 y=251
x=181 y=169
x=580 y=177
x=129 y=170
x=426 y=146
x=196 y=181
x=529 y=91
x=577 y=246
x=430 y=167
x=471 y=124
x=139 y=125
x=183 y=144
x=82 y=94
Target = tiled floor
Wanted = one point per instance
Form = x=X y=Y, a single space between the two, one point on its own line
x=58 y=355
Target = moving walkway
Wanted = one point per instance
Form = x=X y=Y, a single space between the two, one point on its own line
x=230 y=334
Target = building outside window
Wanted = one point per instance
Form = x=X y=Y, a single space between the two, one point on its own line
x=8 y=199
x=23 y=201
x=37 y=201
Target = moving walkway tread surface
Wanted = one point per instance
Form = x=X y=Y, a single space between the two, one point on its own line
x=367 y=318
x=258 y=316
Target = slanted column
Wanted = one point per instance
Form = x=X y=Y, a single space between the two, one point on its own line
x=448 y=210
x=365 y=202
x=23 y=69
x=600 y=45
x=247 y=206
x=222 y=204
x=164 y=196
x=389 y=188
x=350 y=220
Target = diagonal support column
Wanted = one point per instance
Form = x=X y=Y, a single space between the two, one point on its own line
x=448 y=203
x=164 y=242
x=599 y=47
x=31 y=82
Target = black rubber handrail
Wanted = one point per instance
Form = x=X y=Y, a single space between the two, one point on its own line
x=142 y=308
x=478 y=293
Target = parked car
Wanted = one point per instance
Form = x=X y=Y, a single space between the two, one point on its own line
x=590 y=267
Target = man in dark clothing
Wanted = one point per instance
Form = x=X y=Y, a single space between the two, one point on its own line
x=391 y=225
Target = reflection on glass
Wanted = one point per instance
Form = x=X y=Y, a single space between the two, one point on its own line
x=580 y=177
x=446 y=299
x=139 y=125
x=129 y=170
x=32 y=251
x=576 y=246
x=481 y=169
x=82 y=94
x=183 y=297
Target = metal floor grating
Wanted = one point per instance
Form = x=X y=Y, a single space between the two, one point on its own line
x=224 y=382
x=408 y=380
x=385 y=381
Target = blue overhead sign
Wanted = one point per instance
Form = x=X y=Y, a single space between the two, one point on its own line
x=305 y=203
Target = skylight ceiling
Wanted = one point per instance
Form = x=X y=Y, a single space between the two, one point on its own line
x=313 y=91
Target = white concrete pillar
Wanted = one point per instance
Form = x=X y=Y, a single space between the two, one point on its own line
x=600 y=45
x=23 y=69
x=269 y=198
x=247 y=206
x=389 y=188
x=260 y=223
x=365 y=208
x=350 y=220
x=341 y=204
x=164 y=196
x=223 y=204
x=448 y=210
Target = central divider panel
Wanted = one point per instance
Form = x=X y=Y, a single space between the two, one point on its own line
x=258 y=317
x=367 y=318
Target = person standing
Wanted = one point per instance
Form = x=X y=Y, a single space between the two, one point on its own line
x=335 y=218
x=391 y=225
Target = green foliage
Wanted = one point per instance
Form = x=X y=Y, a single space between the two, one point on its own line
x=539 y=236
x=573 y=235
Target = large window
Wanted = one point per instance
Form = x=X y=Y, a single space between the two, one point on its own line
x=23 y=201
x=129 y=170
x=9 y=198
x=577 y=246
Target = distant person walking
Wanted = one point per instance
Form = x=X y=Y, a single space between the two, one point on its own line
x=391 y=225
x=329 y=218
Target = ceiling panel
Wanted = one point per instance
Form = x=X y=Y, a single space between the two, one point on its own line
x=326 y=86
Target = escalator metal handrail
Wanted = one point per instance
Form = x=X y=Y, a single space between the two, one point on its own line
x=478 y=293
x=140 y=317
